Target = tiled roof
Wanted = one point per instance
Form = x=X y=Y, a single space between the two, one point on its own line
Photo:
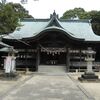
x=80 y=29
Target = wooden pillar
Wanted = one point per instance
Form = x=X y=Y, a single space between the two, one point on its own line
x=37 y=58
x=26 y=53
x=80 y=53
x=67 y=59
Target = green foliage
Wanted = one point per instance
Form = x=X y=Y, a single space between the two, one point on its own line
x=10 y=14
x=8 y=19
x=20 y=10
x=80 y=12
x=96 y=23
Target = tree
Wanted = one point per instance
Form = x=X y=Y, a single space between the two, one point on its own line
x=96 y=23
x=8 y=19
x=20 y=10
x=10 y=14
x=80 y=12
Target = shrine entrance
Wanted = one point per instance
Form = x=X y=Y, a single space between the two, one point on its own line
x=53 y=56
x=53 y=49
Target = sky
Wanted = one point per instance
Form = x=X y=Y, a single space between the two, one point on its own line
x=43 y=8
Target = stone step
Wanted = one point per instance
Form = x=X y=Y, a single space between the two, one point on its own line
x=52 y=68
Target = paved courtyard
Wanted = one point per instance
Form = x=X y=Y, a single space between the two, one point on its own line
x=93 y=88
x=47 y=87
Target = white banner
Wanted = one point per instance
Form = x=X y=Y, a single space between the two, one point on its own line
x=9 y=64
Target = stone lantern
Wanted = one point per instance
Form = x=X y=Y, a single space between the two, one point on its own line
x=89 y=74
x=89 y=59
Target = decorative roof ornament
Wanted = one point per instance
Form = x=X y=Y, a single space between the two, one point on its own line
x=54 y=14
x=76 y=17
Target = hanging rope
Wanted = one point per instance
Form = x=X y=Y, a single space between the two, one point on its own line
x=52 y=50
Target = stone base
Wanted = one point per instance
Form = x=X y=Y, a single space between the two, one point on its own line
x=11 y=76
x=88 y=77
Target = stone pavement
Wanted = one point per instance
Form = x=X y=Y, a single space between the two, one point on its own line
x=6 y=84
x=93 y=88
x=47 y=87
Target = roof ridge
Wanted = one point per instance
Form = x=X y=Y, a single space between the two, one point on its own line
x=70 y=20
x=32 y=19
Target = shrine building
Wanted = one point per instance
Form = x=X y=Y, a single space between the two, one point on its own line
x=53 y=41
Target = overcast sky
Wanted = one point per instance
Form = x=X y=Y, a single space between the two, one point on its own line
x=43 y=8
